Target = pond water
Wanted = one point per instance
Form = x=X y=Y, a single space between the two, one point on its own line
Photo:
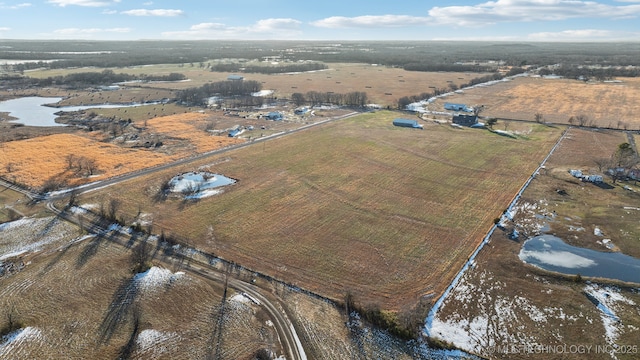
x=551 y=253
x=31 y=111
x=198 y=184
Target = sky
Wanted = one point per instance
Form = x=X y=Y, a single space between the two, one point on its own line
x=475 y=20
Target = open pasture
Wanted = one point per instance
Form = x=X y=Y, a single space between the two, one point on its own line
x=613 y=104
x=517 y=298
x=386 y=213
x=383 y=85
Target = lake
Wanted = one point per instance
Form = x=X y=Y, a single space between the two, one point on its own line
x=549 y=252
x=31 y=111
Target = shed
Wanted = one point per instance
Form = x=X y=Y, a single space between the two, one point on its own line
x=274 y=115
x=407 y=123
x=465 y=120
x=235 y=77
x=457 y=107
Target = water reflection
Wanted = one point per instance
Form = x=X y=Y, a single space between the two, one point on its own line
x=551 y=253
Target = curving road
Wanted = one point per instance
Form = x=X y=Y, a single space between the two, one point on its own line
x=286 y=332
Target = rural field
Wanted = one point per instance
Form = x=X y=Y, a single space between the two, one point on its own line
x=383 y=85
x=605 y=104
x=348 y=231
x=108 y=309
x=502 y=301
x=355 y=206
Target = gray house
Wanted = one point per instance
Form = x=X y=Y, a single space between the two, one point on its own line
x=465 y=120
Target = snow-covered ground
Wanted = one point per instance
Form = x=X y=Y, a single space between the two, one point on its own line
x=155 y=278
x=32 y=234
x=487 y=318
x=608 y=299
x=11 y=343
x=152 y=342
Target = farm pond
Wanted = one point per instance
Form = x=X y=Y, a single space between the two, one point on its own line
x=550 y=253
x=33 y=110
x=196 y=185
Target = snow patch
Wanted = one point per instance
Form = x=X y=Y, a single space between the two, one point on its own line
x=154 y=341
x=156 y=277
x=15 y=339
x=607 y=300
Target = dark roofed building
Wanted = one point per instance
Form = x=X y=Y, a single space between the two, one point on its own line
x=465 y=120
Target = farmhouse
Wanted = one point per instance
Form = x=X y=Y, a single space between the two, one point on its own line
x=407 y=123
x=465 y=120
x=457 y=107
x=587 y=178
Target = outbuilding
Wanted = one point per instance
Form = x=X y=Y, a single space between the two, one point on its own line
x=274 y=115
x=407 y=123
x=465 y=120
x=457 y=107
x=235 y=77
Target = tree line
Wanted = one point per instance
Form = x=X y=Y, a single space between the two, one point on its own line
x=287 y=68
x=105 y=77
x=588 y=72
x=198 y=96
x=406 y=100
x=314 y=98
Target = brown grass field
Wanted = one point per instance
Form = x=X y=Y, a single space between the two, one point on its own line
x=500 y=285
x=358 y=205
x=36 y=160
x=377 y=81
x=93 y=314
x=613 y=105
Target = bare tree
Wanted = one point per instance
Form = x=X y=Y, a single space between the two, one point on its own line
x=539 y=118
x=114 y=205
x=582 y=119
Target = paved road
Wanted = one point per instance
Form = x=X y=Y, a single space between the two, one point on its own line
x=286 y=332
x=118 y=179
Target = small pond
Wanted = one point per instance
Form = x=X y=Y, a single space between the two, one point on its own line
x=198 y=184
x=31 y=111
x=549 y=252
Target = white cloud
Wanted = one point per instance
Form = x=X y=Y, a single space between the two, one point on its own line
x=89 y=31
x=90 y=3
x=154 y=12
x=583 y=35
x=4 y=29
x=492 y=12
x=370 y=21
x=109 y=12
x=262 y=29
x=15 y=7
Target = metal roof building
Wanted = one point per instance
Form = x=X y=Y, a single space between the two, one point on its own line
x=407 y=123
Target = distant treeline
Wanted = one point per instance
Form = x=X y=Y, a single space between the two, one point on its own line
x=287 y=68
x=199 y=96
x=313 y=98
x=588 y=73
x=106 y=77
x=418 y=55
x=424 y=66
